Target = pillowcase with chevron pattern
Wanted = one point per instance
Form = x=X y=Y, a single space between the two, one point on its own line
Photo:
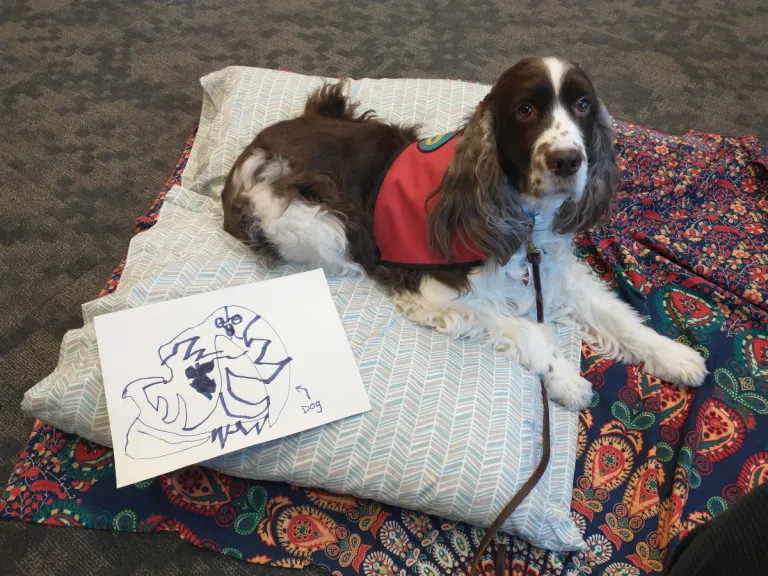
x=455 y=428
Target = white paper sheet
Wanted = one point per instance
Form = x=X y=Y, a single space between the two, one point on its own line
x=197 y=377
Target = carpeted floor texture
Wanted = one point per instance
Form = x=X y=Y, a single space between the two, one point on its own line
x=97 y=98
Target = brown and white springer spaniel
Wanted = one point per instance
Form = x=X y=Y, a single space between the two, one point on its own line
x=535 y=162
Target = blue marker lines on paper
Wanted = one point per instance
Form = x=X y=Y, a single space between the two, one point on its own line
x=314 y=407
x=227 y=375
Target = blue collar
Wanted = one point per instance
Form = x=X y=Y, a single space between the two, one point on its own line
x=530 y=215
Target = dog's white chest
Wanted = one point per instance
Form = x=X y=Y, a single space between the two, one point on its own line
x=556 y=256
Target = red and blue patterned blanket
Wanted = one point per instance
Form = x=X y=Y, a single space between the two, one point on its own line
x=687 y=246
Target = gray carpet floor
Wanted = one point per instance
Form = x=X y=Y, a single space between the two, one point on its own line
x=97 y=98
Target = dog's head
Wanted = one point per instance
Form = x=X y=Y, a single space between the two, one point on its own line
x=541 y=134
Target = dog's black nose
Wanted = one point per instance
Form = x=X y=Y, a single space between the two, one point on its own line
x=564 y=162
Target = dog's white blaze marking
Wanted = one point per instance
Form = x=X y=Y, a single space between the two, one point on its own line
x=557 y=69
x=562 y=134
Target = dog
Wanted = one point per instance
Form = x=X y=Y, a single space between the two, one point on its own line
x=446 y=223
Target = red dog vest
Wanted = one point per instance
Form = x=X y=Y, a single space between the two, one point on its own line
x=400 y=214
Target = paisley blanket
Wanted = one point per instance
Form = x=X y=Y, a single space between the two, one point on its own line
x=687 y=246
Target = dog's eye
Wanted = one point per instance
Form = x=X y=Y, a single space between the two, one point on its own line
x=583 y=106
x=525 y=111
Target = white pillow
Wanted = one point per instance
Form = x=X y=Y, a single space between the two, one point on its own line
x=455 y=426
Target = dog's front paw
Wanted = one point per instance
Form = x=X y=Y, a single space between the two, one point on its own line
x=568 y=389
x=677 y=364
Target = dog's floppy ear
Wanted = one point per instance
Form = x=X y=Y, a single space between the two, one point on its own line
x=470 y=207
x=594 y=207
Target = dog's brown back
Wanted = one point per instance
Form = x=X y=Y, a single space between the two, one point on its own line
x=332 y=157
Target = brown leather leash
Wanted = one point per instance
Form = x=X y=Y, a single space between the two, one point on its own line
x=533 y=255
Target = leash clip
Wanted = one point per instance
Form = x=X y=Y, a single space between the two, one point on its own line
x=532 y=254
